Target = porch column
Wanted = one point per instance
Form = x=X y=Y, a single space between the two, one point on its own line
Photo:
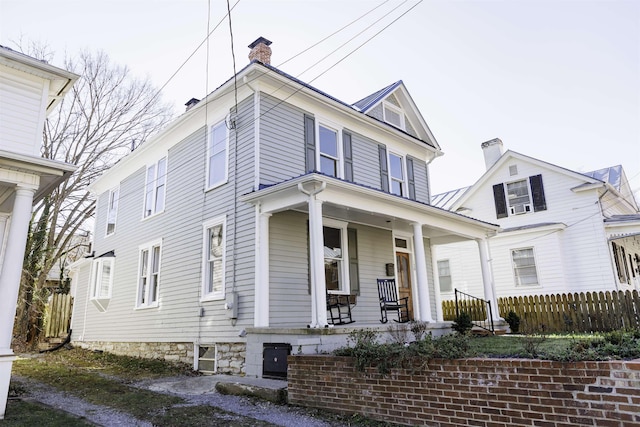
x=10 y=283
x=487 y=277
x=262 y=270
x=318 y=284
x=424 y=305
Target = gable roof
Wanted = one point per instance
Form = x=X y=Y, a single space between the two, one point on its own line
x=366 y=103
x=509 y=154
x=407 y=105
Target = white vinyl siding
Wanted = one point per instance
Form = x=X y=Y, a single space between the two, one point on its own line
x=112 y=210
x=149 y=275
x=217 y=155
x=155 y=188
x=213 y=286
x=524 y=267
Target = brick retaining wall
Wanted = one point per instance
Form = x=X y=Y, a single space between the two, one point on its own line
x=473 y=392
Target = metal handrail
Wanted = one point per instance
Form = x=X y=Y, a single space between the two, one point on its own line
x=477 y=308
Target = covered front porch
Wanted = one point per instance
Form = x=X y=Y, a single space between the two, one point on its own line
x=319 y=236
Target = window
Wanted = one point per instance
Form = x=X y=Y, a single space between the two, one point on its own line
x=102 y=278
x=444 y=274
x=328 y=151
x=336 y=270
x=155 y=188
x=149 y=275
x=214 y=252
x=112 y=210
x=393 y=115
x=217 y=155
x=396 y=174
x=524 y=267
x=519 y=197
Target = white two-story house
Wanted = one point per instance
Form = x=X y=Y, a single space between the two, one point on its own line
x=561 y=231
x=223 y=235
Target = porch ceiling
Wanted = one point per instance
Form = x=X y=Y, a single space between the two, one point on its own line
x=357 y=204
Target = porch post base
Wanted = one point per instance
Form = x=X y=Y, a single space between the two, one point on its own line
x=6 y=362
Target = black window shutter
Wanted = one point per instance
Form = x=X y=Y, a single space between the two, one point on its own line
x=500 y=201
x=411 y=178
x=537 y=193
x=354 y=275
x=384 y=170
x=310 y=142
x=348 y=156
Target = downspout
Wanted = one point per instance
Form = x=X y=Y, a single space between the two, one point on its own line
x=609 y=248
x=316 y=298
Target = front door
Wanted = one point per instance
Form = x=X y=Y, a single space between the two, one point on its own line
x=404 y=279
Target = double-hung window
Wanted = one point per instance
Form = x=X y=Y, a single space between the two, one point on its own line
x=397 y=175
x=217 y=155
x=112 y=210
x=213 y=261
x=149 y=275
x=101 y=281
x=102 y=278
x=155 y=187
x=524 y=267
x=329 y=149
x=444 y=276
x=518 y=197
x=336 y=266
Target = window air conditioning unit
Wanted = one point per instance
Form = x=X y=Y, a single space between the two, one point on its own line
x=520 y=209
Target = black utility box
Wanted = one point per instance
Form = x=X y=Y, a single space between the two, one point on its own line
x=274 y=360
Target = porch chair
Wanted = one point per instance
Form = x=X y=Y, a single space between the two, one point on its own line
x=389 y=301
x=339 y=308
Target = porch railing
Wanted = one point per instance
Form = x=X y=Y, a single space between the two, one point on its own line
x=478 y=309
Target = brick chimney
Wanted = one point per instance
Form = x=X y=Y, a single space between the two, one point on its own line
x=260 y=51
x=492 y=151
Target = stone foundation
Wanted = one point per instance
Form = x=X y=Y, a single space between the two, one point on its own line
x=231 y=356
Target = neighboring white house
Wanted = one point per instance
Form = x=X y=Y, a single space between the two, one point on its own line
x=561 y=231
x=29 y=90
x=219 y=239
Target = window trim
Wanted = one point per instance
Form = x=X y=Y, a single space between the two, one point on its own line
x=448 y=261
x=213 y=296
x=97 y=267
x=154 y=201
x=319 y=122
x=535 y=266
x=110 y=199
x=149 y=246
x=225 y=179
x=405 y=186
x=387 y=105
x=344 y=241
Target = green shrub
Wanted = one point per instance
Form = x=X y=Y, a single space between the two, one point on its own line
x=513 y=320
x=463 y=323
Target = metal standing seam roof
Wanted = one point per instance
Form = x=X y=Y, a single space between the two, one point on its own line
x=611 y=175
x=365 y=103
x=447 y=199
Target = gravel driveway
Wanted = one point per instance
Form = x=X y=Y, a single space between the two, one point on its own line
x=266 y=412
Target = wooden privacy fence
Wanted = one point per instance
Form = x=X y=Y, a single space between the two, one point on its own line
x=577 y=312
x=58 y=317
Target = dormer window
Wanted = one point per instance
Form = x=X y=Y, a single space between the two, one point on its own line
x=393 y=115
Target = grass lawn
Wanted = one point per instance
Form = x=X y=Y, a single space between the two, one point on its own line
x=516 y=345
x=22 y=413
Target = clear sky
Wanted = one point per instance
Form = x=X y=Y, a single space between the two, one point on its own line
x=555 y=80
